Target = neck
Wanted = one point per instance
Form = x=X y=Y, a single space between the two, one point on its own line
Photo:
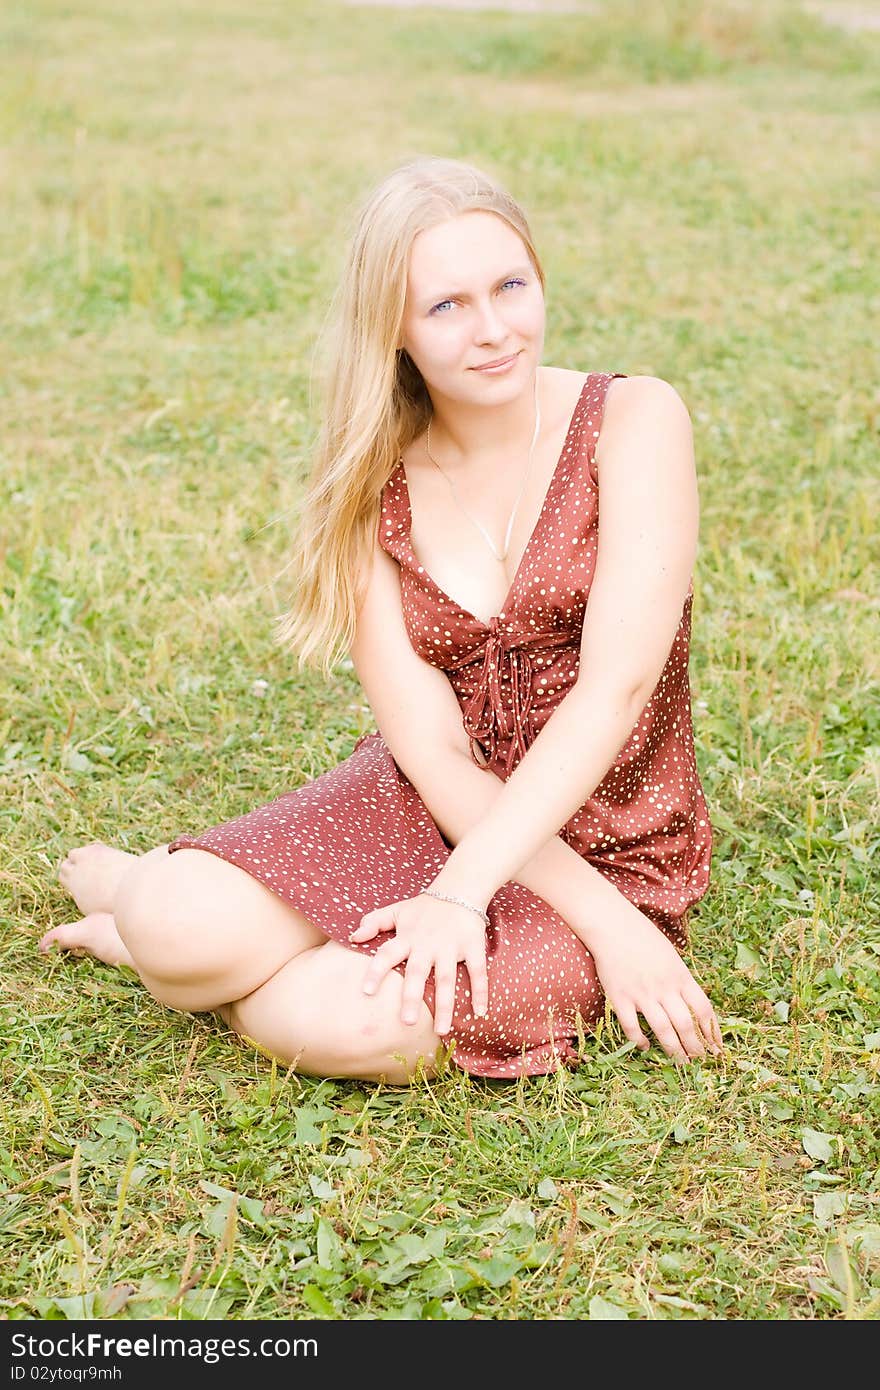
x=467 y=436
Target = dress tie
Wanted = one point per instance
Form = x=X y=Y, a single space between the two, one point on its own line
x=507 y=651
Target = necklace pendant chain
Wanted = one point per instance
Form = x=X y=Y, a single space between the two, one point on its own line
x=502 y=555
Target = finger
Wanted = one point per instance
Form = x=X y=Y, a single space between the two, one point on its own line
x=685 y=1025
x=478 y=975
x=444 y=996
x=385 y=959
x=370 y=925
x=418 y=968
x=629 y=1022
x=715 y=1026
x=704 y=1018
x=664 y=1031
x=712 y=1028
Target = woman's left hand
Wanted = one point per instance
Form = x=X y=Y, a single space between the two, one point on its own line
x=429 y=934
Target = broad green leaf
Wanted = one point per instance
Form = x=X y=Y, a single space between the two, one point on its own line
x=518 y=1213
x=827 y=1205
x=318 y=1302
x=746 y=960
x=603 y=1311
x=307 y=1131
x=331 y=1254
x=840 y=1267
x=320 y=1186
x=780 y=1110
x=251 y=1208
x=409 y=1250
x=416 y=1249
x=113 y=1126
x=199 y=1304
x=498 y=1270
x=215 y=1190
x=79 y=1307
x=782 y=880
x=866 y=1240
x=818 y=1145
x=619 y=1203
x=214 y=1220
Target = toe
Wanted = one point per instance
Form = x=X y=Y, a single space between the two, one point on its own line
x=64 y=935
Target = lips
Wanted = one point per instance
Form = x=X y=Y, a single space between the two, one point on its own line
x=499 y=362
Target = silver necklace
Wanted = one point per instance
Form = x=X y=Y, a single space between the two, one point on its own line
x=502 y=555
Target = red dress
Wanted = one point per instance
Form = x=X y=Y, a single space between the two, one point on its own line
x=359 y=836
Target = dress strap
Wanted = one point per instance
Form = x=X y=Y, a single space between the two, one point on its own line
x=593 y=422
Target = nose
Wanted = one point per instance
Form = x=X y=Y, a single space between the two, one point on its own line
x=490 y=327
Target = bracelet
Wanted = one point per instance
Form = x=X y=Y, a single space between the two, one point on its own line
x=460 y=901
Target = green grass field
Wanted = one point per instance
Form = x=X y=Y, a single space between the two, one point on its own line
x=179 y=181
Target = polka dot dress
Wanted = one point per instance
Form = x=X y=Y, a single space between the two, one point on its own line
x=359 y=836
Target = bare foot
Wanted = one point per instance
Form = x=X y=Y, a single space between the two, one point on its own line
x=95 y=935
x=91 y=875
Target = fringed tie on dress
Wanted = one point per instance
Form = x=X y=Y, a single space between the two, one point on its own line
x=489 y=718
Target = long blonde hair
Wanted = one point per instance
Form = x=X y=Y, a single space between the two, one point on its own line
x=375 y=399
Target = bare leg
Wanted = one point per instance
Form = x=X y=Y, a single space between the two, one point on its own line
x=204 y=935
x=313 y=1014
x=198 y=930
x=203 y=931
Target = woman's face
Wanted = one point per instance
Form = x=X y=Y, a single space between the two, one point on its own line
x=473 y=297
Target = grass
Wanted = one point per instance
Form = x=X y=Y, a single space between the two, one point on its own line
x=179 y=183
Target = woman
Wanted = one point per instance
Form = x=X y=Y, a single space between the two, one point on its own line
x=459 y=882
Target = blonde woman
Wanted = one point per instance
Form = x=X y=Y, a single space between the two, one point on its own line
x=505 y=548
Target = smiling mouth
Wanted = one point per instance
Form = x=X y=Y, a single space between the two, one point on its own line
x=501 y=362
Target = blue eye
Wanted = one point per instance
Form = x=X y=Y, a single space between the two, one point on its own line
x=512 y=281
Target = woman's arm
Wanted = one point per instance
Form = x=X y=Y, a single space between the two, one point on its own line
x=647 y=540
x=648 y=523
x=459 y=795
x=638 y=967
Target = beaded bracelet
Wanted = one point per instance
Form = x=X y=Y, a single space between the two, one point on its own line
x=460 y=901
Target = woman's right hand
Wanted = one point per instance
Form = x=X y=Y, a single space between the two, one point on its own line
x=641 y=972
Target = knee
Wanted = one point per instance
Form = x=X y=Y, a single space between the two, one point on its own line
x=313 y=1015
x=153 y=911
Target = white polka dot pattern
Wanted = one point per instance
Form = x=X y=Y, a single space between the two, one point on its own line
x=359 y=836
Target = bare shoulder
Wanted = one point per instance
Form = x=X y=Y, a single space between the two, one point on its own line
x=642 y=413
x=648 y=397
x=371 y=559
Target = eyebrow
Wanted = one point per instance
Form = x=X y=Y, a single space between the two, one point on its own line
x=439 y=297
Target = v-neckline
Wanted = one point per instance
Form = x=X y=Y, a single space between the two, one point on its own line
x=486 y=626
